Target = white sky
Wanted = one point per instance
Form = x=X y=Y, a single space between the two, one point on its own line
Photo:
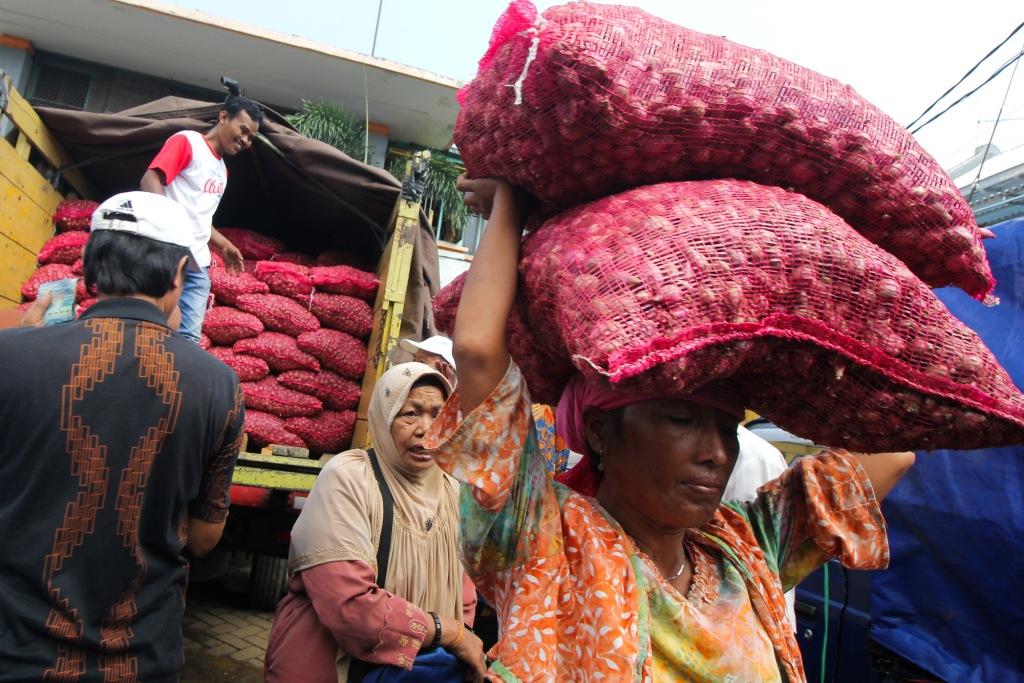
x=900 y=54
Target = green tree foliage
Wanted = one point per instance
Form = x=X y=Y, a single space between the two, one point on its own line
x=334 y=125
x=439 y=195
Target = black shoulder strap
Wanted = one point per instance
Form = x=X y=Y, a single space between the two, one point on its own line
x=384 y=546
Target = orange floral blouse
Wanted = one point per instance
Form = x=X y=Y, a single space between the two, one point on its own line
x=578 y=601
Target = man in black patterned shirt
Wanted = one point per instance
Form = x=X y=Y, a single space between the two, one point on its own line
x=118 y=439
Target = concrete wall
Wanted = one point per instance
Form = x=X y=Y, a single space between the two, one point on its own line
x=452 y=262
x=16 y=62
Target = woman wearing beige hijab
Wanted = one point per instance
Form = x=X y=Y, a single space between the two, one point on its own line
x=335 y=611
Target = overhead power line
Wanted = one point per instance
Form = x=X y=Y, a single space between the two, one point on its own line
x=988 y=80
x=999 y=115
x=966 y=75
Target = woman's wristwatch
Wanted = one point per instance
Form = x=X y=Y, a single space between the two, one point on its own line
x=437 y=629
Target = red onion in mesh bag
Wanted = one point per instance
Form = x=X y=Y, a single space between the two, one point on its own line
x=227 y=287
x=248 y=368
x=286 y=279
x=670 y=287
x=204 y=342
x=336 y=392
x=278 y=313
x=270 y=397
x=216 y=258
x=617 y=98
x=345 y=280
x=253 y=245
x=341 y=312
x=337 y=351
x=225 y=325
x=78 y=267
x=545 y=374
x=280 y=351
x=49 y=273
x=328 y=432
x=74 y=214
x=84 y=305
x=265 y=429
x=65 y=247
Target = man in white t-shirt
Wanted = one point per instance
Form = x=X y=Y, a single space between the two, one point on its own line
x=190 y=169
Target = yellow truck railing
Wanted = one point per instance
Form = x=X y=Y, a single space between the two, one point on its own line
x=30 y=189
x=393 y=273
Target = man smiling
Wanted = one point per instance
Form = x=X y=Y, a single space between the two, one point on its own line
x=190 y=169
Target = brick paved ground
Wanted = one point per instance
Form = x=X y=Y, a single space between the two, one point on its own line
x=224 y=639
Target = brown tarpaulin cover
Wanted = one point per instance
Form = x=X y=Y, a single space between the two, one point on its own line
x=302 y=191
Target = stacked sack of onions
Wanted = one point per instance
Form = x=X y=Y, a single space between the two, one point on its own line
x=61 y=256
x=293 y=327
x=713 y=213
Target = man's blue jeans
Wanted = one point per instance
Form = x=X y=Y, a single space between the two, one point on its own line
x=194 y=296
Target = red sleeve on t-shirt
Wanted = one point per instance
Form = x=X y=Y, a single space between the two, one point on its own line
x=175 y=155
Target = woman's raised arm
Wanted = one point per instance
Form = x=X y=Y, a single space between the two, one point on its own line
x=480 y=352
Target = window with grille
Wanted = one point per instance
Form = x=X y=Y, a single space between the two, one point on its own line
x=58 y=86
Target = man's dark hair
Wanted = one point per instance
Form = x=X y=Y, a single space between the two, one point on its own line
x=122 y=264
x=237 y=103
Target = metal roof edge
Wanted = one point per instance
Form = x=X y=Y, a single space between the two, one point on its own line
x=241 y=28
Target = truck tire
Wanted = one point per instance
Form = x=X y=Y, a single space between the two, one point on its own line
x=268 y=580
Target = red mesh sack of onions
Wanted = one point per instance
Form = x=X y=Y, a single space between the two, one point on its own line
x=345 y=280
x=74 y=214
x=248 y=368
x=85 y=304
x=204 y=342
x=216 y=258
x=617 y=98
x=334 y=391
x=225 y=325
x=265 y=429
x=545 y=374
x=278 y=313
x=65 y=247
x=280 y=351
x=328 y=432
x=337 y=351
x=672 y=286
x=253 y=245
x=340 y=312
x=286 y=279
x=49 y=273
x=227 y=287
x=270 y=397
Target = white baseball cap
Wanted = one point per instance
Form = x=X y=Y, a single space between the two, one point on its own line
x=147 y=214
x=437 y=345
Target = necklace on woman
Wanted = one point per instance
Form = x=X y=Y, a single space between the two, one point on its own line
x=682 y=567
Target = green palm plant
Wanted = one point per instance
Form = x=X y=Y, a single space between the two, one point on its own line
x=330 y=123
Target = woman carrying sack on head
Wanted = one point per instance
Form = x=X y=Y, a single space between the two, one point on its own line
x=377 y=591
x=635 y=571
